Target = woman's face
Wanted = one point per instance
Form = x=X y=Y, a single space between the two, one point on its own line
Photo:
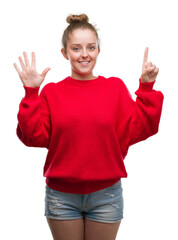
x=82 y=52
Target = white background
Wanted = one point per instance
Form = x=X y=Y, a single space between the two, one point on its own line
x=125 y=28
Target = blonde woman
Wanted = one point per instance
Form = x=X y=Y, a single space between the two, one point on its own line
x=87 y=123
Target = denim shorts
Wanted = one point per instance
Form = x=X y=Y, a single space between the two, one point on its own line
x=105 y=205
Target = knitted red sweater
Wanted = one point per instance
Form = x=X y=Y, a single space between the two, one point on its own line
x=87 y=127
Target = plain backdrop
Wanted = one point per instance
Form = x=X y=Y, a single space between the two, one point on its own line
x=125 y=28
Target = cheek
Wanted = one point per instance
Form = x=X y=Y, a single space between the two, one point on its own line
x=94 y=54
x=74 y=57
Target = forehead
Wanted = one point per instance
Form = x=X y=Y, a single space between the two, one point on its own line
x=80 y=36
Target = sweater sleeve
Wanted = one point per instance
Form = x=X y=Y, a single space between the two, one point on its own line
x=139 y=119
x=34 y=127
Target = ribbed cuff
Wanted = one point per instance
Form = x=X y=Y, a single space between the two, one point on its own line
x=31 y=92
x=146 y=87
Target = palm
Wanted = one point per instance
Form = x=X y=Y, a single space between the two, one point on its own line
x=30 y=75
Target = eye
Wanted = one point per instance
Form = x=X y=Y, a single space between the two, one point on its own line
x=91 y=48
x=76 y=49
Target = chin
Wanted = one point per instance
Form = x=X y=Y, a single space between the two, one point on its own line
x=83 y=73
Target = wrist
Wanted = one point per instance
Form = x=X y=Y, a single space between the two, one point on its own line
x=31 y=85
x=146 y=78
x=146 y=81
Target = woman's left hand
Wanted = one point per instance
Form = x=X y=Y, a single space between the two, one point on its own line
x=149 y=70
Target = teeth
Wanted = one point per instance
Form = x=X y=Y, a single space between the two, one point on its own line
x=84 y=62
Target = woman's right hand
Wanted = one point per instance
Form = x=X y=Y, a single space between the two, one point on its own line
x=29 y=76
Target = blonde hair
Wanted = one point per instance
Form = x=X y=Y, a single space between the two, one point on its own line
x=78 y=22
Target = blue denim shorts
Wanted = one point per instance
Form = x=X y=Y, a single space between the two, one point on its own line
x=105 y=205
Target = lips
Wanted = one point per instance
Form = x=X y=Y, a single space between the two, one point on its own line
x=84 y=62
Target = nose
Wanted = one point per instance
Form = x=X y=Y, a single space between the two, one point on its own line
x=84 y=53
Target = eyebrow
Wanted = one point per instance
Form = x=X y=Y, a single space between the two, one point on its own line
x=80 y=44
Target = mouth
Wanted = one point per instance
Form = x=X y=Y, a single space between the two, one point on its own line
x=84 y=62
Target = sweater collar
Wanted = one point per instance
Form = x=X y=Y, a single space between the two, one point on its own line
x=83 y=82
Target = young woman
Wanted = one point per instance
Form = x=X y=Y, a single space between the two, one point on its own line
x=87 y=123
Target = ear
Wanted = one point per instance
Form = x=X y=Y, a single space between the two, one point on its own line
x=64 y=53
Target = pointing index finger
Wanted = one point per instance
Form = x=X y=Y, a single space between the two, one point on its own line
x=145 y=58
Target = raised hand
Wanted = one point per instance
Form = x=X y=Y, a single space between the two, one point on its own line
x=149 y=70
x=29 y=76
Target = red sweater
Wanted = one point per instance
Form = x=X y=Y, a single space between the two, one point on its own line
x=87 y=127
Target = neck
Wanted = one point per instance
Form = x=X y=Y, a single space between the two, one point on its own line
x=89 y=76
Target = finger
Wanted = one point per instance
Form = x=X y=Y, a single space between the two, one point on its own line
x=45 y=72
x=26 y=59
x=17 y=68
x=149 y=65
x=157 y=70
x=22 y=63
x=153 y=67
x=33 y=64
x=145 y=58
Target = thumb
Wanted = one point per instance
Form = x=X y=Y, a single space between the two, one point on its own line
x=45 y=72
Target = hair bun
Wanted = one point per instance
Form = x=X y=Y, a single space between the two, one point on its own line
x=77 y=18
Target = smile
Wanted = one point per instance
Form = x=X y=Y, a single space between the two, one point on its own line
x=85 y=62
